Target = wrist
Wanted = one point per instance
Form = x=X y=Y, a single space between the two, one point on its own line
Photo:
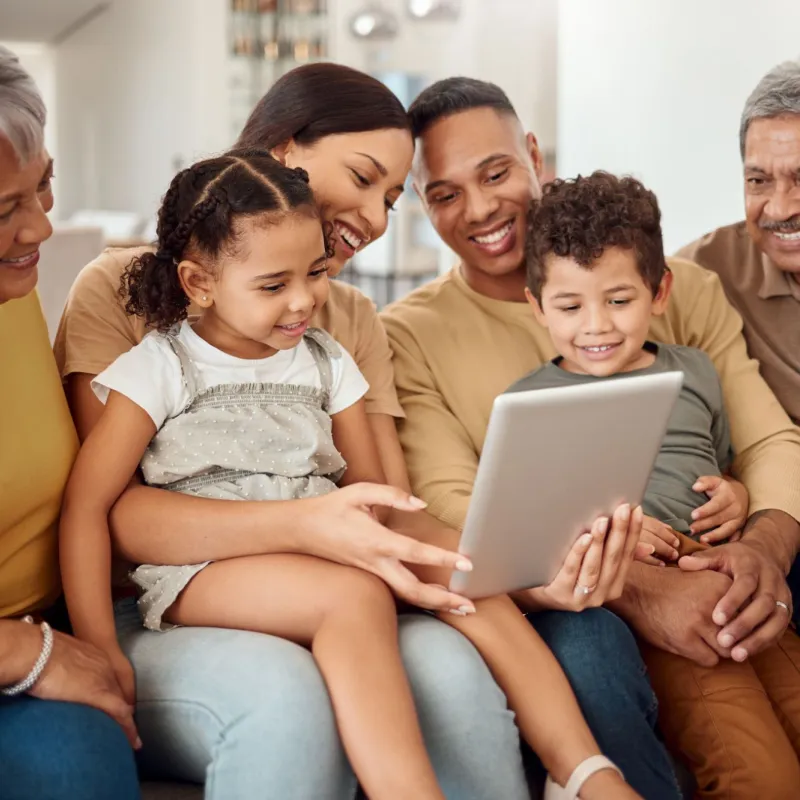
x=775 y=535
x=20 y=645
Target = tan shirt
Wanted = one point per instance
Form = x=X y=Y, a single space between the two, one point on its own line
x=95 y=329
x=767 y=299
x=38 y=444
x=456 y=350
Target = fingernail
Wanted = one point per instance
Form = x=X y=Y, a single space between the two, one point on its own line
x=739 y=654
x=457 y=612
x=661 y=564
x=138 y=743
x=416 y=502
x=676 y=542
x=650 y=549
x=720 y=618
x=674 y=555
x=463 y=565
x=467 y=609
x=726 y=640
x=602 y=524
x=585 y=540
x=695 y=514
x=625 y=512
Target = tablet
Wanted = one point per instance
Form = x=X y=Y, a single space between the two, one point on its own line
x=553 y=461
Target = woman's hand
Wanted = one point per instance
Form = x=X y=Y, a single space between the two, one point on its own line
x=596 y=568
x=346 y=531
x=78 y=672
x=662 y=539
x=725 y=514
x=123 y=670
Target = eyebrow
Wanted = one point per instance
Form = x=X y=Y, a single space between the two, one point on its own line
x=570 y=295
x=481 y=164
x=383 y=171
x=751 y=168
x=7 y=198
x=272 y=275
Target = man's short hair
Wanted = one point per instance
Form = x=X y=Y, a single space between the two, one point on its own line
x=581 y=218
x=453 y=95
x=777 y=93
x=22 y=113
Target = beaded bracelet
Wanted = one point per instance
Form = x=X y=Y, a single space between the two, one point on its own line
x=28 y=682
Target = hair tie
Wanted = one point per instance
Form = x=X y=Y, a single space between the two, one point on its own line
x=302 y=174
x=163 y=255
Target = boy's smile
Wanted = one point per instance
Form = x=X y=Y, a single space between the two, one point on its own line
x=598 y=316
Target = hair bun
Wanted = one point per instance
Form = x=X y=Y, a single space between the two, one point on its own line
x=302 y=174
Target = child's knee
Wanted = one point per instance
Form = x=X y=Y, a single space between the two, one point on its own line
x=361 y=592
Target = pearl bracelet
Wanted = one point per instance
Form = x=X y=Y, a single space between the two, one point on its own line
x=28 y=682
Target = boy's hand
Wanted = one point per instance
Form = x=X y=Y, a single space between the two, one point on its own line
x=663 y=540
x=725 y=514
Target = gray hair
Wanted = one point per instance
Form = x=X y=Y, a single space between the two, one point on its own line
x=777 y=93
x=22 y=112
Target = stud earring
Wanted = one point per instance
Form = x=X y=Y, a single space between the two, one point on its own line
x=205 y=297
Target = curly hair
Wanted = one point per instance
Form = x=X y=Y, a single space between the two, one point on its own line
x=582 y=217
x=199 y=216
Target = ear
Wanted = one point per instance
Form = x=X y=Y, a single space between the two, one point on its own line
x=532 y=146
x=661 y=300
x=284 y=152
x=197 y=282
x=537 y=308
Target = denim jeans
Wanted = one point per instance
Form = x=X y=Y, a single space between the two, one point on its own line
x=248 y=714
x=598 y=653
x=62 y=751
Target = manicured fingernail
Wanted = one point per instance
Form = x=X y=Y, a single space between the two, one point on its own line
x=726 y=640
x=463 y=565
x=739 y=654
x=602 y=524
x=625 y=512
x=585 y=540
x=457 y=612
x=467 y=609
x=695 y=514
x=416 y=502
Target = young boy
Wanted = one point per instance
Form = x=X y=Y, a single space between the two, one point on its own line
x=596 y=276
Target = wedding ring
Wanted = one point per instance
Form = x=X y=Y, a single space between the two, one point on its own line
x=783 y=605
x=584 y=589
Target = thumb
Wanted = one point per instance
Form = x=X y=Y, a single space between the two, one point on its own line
x=380 y=494
x=708 y=559
x=707 y=484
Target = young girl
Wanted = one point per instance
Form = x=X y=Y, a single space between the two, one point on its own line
x=250 y=402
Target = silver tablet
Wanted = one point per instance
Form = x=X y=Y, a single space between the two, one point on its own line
x=553 y=461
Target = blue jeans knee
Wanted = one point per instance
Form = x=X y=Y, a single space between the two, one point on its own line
x=51 y=750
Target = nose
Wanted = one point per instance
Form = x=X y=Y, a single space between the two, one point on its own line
x=597 y=320
x=375 y=216
x=781 y=206
x=480 y=204
x=301 y=300
x=34 y=226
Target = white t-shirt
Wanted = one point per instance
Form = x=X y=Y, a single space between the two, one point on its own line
x=150 y=373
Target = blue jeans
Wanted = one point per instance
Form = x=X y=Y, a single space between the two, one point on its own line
x=598 y=653
x=62 y=751
x=248 y=714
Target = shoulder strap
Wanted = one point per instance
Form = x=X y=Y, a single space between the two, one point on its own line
x=323 y=348
x=191 y=379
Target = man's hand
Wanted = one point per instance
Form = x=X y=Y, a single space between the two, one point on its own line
x=78 y=672
x=672 y=610
x=724 y=516
x=749 y=613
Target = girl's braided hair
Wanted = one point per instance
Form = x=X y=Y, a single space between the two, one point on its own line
x=198 y=216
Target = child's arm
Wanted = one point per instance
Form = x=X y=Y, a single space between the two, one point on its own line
x=725 y=514
x=104 y=467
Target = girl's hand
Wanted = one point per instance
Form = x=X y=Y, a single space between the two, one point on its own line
x=725 y=514
x=596 y=568
x=663 y=541
x=347 y=532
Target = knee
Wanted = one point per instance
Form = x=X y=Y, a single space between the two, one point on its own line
x=65 y=750
x=362 y=593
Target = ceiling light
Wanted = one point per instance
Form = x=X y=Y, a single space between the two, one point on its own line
x=434 y=9
x=373 y=22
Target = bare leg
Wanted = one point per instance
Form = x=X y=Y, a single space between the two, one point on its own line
x=537 y=690
x=348 y=619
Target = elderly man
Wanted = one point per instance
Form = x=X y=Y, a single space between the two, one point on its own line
x=758 y=260
x=66 y=747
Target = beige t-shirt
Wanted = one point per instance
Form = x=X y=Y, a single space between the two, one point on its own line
x=95 y=329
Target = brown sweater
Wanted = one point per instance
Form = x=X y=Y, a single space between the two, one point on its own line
x=456 y=350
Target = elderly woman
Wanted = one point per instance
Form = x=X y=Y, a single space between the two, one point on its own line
x=59 y=698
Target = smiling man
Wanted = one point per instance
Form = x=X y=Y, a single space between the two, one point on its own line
x=466 y=337
x=758 y=260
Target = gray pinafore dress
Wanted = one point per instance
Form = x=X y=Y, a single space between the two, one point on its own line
x=239 y=441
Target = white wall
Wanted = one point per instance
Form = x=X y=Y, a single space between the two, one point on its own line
x=509 y=42
x=656 y=90
x=141 y=90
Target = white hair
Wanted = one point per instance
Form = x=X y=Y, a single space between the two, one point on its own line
x=777 y=93
x=22 y=112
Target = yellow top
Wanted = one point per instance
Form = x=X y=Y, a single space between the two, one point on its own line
x=37 y=447
x=455 y=350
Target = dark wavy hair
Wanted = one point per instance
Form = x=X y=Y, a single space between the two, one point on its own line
x=318 y=100
x=199 y=216
x=582 y=217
